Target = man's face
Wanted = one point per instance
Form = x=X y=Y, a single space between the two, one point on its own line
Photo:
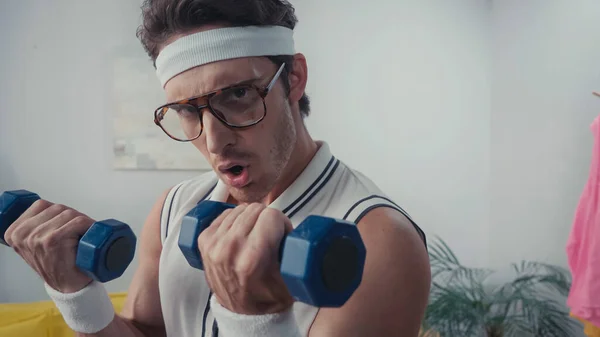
x=249 y=160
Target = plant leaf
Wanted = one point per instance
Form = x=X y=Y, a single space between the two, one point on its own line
x=461 y=306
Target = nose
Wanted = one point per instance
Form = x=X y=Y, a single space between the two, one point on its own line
x=218 y=135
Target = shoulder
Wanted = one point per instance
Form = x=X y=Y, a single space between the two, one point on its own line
x=357 y=193
x=387 y=231
x=391 y=240
x=357 y=196
x=390 y=234
x=396 y=245
x=397 y=271
x=396 y=277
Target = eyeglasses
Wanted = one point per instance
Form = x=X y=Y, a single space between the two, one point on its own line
x=237 y=106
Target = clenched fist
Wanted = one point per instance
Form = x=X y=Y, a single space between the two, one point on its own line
x=46 y=236
x=240 y=253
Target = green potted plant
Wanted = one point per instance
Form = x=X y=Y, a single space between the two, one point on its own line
x=463 y=303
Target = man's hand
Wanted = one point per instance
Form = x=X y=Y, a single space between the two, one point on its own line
x=46 y=236
x=240 y=253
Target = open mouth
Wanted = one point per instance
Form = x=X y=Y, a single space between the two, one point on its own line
x=236 y=170
x=236 y=175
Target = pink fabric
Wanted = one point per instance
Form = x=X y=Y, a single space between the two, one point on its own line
x=583 y=245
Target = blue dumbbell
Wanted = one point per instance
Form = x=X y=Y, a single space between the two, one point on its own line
x=321 y=261
x=105 y=250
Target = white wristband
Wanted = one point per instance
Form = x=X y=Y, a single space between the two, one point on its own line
x=232 y=324
x=86 y=311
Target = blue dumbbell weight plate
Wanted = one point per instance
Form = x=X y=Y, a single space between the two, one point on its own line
x=12 y=205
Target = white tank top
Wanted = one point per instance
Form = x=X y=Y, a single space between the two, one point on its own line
x=326 y=187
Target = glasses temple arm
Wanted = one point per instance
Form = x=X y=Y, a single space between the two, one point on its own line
x=275 y=78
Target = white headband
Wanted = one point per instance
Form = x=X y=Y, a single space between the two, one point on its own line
x=222 y=44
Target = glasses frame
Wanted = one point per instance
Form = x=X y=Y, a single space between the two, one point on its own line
x=159 y=113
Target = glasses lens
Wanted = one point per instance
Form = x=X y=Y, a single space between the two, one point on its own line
x=239 y=106
x=181 y=121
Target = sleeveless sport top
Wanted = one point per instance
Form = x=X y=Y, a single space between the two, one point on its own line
x=326 y=187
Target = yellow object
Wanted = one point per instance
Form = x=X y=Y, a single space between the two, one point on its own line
x=589 y=329
x=40 y=318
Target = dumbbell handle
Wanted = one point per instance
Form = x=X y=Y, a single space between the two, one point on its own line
x=103 y=253
x=9 y=199
x=191 y=232
x=336 y=260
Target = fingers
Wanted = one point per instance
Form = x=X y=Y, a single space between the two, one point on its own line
x=56 y=222
x=228 y=219
x=37 y=207
x=68 y=224
x=208 y=238
x=232 y=236
x=271 y=226
x=243 y=220
x=38 y=214
x=74 y=229
x=246 y=221
x=253 y=225
x=210 y=232
x=240 y=251
x=54 y=233
x=239 y=220
x=224 y=244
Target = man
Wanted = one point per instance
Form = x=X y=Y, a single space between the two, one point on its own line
x=236 y=89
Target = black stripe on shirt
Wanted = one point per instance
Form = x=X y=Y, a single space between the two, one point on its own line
x=207 y=195
x=319 y=178
x=393 y=206
x=316 y=191
x=356 y=204
x=169 y=214
x=206 y=310
x=203 y=198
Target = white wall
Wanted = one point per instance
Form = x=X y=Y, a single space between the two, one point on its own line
x=55 y=126
x=412 y=79
x=409 y=79
x=546 y=62
x=406 y=87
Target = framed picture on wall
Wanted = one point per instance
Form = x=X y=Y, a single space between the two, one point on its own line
x=137 y=143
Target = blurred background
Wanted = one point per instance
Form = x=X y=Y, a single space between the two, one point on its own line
x=473 y=115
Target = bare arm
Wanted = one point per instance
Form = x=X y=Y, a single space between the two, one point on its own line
x=393 y=295
x=142 y=314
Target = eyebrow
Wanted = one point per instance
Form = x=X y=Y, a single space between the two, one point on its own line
x=244 y=82
x=234 y=84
